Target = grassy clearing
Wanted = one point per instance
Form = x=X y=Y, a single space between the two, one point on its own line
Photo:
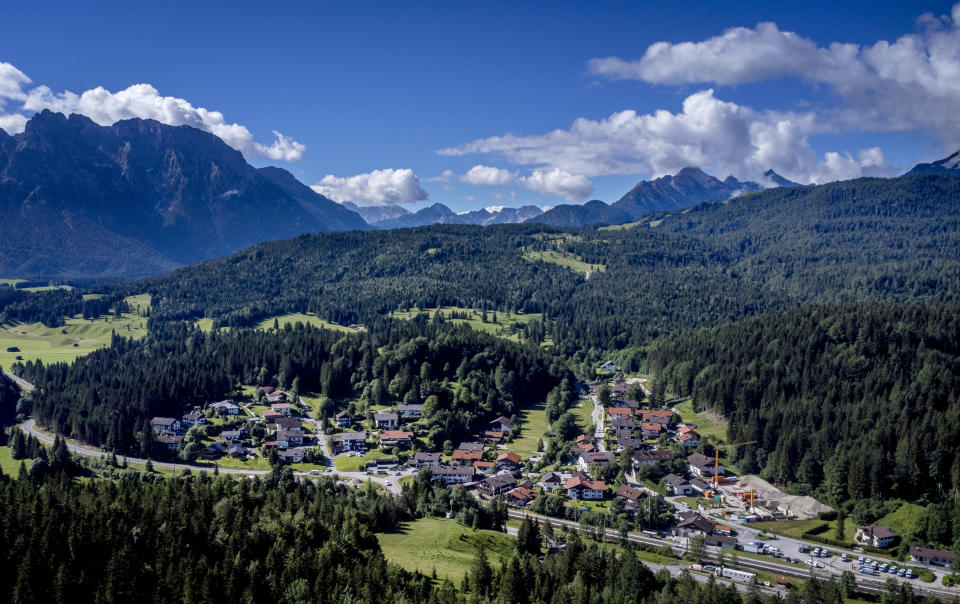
x=707 y=423
x=357 y=464
x=904 y=520
x=139 y=304
x=9 y=465
x=584 y=412
x=257 y=463
x=564 y=259
x=77 y=337
x=307 y=319
x=788 y=528
x=443 y=545
x=504 y=325
x=205 y=325
x=534 y=423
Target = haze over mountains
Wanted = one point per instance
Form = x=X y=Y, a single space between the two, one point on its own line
x=393 y=216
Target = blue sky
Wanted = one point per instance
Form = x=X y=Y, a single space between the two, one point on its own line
x=412 y=102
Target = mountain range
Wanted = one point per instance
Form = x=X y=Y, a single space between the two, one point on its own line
x=84 y=201
x=393 y=216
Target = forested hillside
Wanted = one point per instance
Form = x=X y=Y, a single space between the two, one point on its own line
x=856 y=401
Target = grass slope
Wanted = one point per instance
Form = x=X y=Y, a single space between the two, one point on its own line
x=533 y=424
x=564 y=259
x=707 y=424
x=436 y=544
x=308 y=319
x=77 y=337
x=507 y=324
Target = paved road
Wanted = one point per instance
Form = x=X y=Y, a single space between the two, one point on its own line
x=24 y=384
x=597 y=416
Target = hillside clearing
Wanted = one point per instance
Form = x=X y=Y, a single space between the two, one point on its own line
x=504 y=325
x=564 y=259
x=708 y=424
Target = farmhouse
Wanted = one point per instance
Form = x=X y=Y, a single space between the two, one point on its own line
x=170 y=441
x=701 y=466
x=165 y=424
x=501 y=424
x=421 y=460
x=508 y=461
x=344 y=419
x=589 y=460
x=677 y=485
x=395 y=438
x=225 y=407
x=880 y=535
x=385 y=421
x=466 y=457
x=410 y=411
x=581 y=487
x=497 y=485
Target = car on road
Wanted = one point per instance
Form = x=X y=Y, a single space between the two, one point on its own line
x=389 y=484
x=314 y=472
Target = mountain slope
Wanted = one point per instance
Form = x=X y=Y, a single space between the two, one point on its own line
x=138 y=197
x=947 y=165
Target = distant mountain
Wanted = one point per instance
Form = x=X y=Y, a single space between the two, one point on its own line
x=776 y=180
x=688 y=187
x=395 y=217
x=83 y=201
x=947 y=165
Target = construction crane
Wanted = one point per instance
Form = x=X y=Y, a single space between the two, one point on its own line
x=716 y=466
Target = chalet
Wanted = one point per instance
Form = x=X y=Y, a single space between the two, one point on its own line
x=880 y=535
x=423 y=460
x=629 y=403
x=284 y=409
x=294 y=455
x=385 y=421
x=471 y=446
x=343 y=419
x=685 y=428
x=644 y=458
x=465 y=457
x=410 y=411
x=702 y=466
x=165 y=424
x=661 y=416
x=629 y=441
x=581 y=487
x=214 y=450
x=497 y=485
x=232 y=435
x=650 y=429
x=386 y=462
x=692 y=522
x=453 y=474
x=622 y=426
x=486 y=468
x=276 y=396
x=493 y=437
x=587 y=447
x=619 y=387
x=395 y=438
x=271 y=417
x=608 y=366
x=520 y=496
x=170 y=441
x=627 y=493
x=699 y=486
x=292 y=437
x=501 y=424
x=350 y=441
x=589 y=460
x=193 y=418
x=236 y=450
x=938 y=557
x=550 y=481
x=677 y=485
x=594 y=385
x=689 y=439
x=721 y=541
x=508 y=461
x=583 y=439
x=287 y=423
x=619 y=412
x=225 y=407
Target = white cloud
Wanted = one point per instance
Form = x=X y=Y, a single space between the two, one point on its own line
x=137 y=101
x=572 y=187
x=910 y=84
x=486 y=175
x=380 y=187
x=445 y=176
x=494 y=209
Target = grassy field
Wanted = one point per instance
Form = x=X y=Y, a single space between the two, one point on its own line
x=9 y=465
x=564 y=259
x=443 y=545
x=796 y=528
x=356 y=464
x=584 y=413
x=707 y=423
x=904 y=520
x=257 y=463
x=534 y=424
x=507 y=324
x=307 y=319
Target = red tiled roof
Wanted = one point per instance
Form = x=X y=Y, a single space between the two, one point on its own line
x=578 y=481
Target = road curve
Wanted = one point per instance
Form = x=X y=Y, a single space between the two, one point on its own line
x=24 y=384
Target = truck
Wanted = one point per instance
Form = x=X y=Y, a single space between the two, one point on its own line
x=752 y=548
x=736 y=575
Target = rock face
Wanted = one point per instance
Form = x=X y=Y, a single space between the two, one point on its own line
x=688 y=187
x=83 y=201
x=947 y=165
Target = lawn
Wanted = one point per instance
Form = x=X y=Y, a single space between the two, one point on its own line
x=9 y=465
x=307 y=319
x=584 y=413
x=533 y=420
x=707 y=423
x=564 y=259
x=77 y=337
x=504 y=325
x=356 y=464
x=443 y=545
x=257 y=463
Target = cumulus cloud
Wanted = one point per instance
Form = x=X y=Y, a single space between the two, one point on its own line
x=137 y=101
x=572 y=187
x=486 y=175
x=380 y=187
x=910 y=84
x=445 y=176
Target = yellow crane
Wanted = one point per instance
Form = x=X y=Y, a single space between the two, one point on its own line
x=716 y=463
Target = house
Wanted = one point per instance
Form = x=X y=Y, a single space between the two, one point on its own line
x=880 y=535
x=485 y=468
x=721 y=541
x=699 y=486
x=292 y=437
x=677 y=485
x=689 y=439
x=386 y=462
x=692 y=522
x=225 y=407
x=287 y=423
x=550 y=481
x=650 y=457
x=497 y=485
x=493 y=437
x=508 y=461
x=465 y=457
x=236 y=450
x=385 y=421
x=410 y=411
x=192 y=419
x=284 y=409
x=702 y=466
x=520 y=496
x=501 y=424
x=170 y=441
x=619 y=387
x=395 y=438
x=586 y=447
x=232 y=435
x=276 y=396
x=268 y=390
x=628 y=441
x=589 y=460
x=938 y=557
x=271 y=417
x=165 y=424
x=685 y=428
x=609 y=366
x=650 y=429
x=581 y=487
x=471 y=446
x=453 y=474
x=619 y=412
x=343 y=419
x=622 y=426
x=722 y=529
x=214 y=450
x=661 y=416
x=423 y=460
x=627 y=493
x=294 y=455
x=350 y=441
x=628 y=402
